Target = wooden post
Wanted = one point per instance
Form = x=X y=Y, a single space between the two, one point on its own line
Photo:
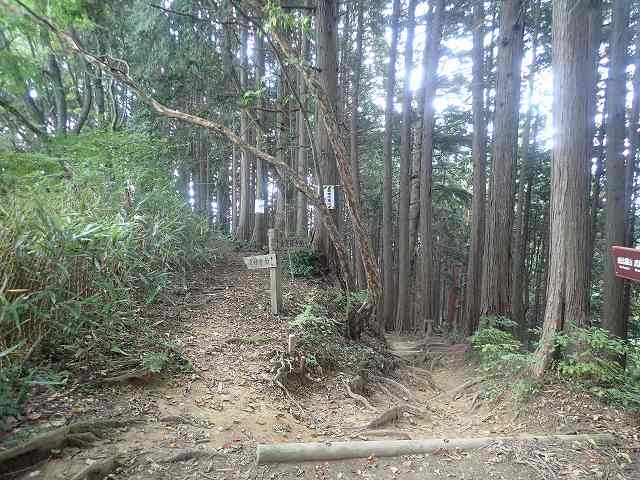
x=274 y=274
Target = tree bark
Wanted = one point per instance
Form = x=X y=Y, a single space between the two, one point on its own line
x=612 y=312
x=259 y=236
x=403 y=314
x=303 y=141
x=567 y=275
x=244 y=230
x=326 y=55
x=432 y=51
x=59 y=94
x=520 y=234
x=353 y=137
x=496 y=282
x=479 y=153
x=387 y=189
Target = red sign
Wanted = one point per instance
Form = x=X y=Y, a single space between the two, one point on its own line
x=627 y=263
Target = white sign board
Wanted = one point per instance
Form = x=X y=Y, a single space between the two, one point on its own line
x=259 y=205
x=329 y=193
x=261 y=261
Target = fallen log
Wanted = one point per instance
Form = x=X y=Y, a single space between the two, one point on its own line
x=316 y=452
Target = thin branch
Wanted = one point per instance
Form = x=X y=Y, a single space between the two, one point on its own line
x=23 y=119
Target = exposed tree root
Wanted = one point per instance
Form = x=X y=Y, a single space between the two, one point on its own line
x=188 y=454
x=452 y=394
x=386 y=391
x=408 y=393
x=474 y=401
x=392 y=416
x=98 y=470
x=280 y=379
x=356 y=397
x=78 y=434
x=424 y=376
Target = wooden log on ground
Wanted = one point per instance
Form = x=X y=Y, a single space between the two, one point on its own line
x=318 y=452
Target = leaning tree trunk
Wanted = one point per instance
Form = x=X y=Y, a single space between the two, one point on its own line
x=567 y=275
x=612 y=311
x=403 y=314
x=432 y=50
x=387 y=204
x=479 y=152
x=327 y=116
x=303 y=140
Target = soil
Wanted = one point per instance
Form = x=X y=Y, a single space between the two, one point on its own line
x=228 y=405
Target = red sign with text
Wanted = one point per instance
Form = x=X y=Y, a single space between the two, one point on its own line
x=627 y=263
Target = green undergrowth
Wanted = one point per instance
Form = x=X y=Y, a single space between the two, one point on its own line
x=301 y=262
x=503 y=359
x=587 y=359
x=92 y=228
x=321 y=327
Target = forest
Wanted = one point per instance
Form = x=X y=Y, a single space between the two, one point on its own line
x=446 y=180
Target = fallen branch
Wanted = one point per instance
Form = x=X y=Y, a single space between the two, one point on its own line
x=316 y=452
x=98 y=470
x=356 y=397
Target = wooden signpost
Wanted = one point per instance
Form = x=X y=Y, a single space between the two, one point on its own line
x=269 y=261
x=627 y=263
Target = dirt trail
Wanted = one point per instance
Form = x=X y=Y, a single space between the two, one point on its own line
x=227 y=406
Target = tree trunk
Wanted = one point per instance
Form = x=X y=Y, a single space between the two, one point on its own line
x=612 y=312
x=259 y=237
x=520 y=234
x=355 y=160
x=496 y=282
x=567 y=275
x=59 y=94
x=303 y=141
x=87 y=100
x=403 y=314
x=387 y=189
x=479 y=152
x=245 y=229
x=326 y=54
x=432 y=51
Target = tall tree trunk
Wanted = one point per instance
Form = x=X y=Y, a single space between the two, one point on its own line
x=479 y=152
x=259 y=225
x=244 y=220
x=355 y=160
x=326 y=54
x=432 y=51
x=496 y=267
x=567 y=284
x=235 y=194
x=303 y=140
x=87 y=101
x=613 y=312
x=387 y=189
x=520 y=234
x=403 y=314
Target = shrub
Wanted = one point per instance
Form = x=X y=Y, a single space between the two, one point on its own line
x=323 y=343
x=302 y=262
x=591 y=357
x=503 y=358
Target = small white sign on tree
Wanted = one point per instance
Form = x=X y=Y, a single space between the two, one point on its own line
x=329 y=194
